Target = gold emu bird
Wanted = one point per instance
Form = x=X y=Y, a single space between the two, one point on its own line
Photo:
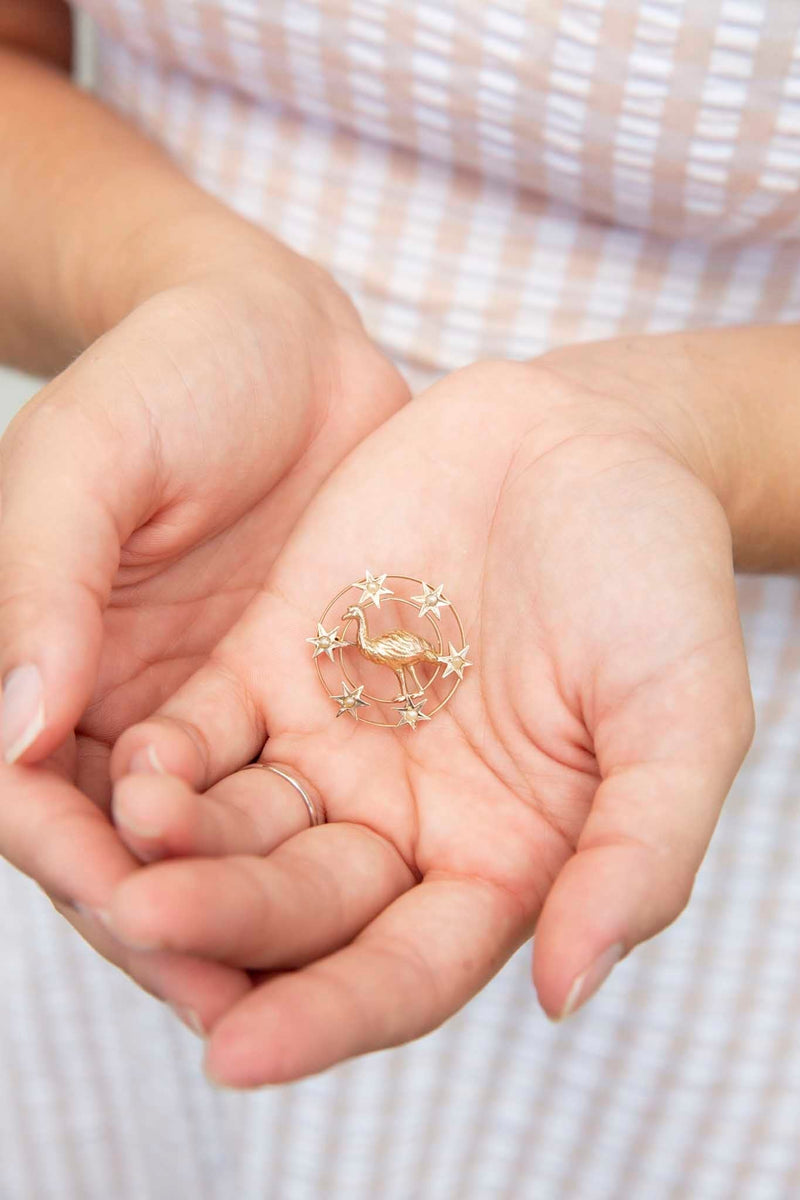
x=396 y=649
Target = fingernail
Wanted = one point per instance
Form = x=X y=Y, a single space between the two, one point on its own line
x=71 y=908
x=145 y=761
x=135 y=943
x=101 y=915
x=220 y=1084
x=23 y=711
x=587 y=983
x=190 y=1018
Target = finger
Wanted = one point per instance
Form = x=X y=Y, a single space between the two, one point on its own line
x=310 y=896
x=250 y=812
x=199 y=992
x=645 y=837
x=411 y=968
x=72 y=488
x=53 y=833
x=207 y=729
x=217 y=721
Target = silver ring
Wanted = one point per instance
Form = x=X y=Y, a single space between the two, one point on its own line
x=314 y=808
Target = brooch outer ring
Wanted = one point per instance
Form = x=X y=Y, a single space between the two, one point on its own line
x=347 y=678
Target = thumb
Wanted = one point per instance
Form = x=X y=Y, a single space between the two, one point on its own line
x=643 y=842
x=68 y=500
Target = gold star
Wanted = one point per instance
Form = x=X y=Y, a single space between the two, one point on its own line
x=372 y=588
x=326 y=643
x=455 y=662
x=431 y=600
x=411 y=712
x=350 y=700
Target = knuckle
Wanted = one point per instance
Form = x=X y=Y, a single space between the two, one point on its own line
x=678 y=891
x=671 y=876
x=746 y=722
x=231 y=685
x=195 y=737
x=20 y=587
x=738 y=725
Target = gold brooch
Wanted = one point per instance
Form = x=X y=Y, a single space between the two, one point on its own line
x=399 y=649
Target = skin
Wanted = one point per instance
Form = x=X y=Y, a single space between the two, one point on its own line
x=161 y=532
x=571 y=786
x=137 y=521
x=602 y=495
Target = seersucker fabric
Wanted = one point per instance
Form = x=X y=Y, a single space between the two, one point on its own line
x=485 y=179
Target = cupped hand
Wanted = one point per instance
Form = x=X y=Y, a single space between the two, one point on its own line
x=571 y=785
x=145 y=494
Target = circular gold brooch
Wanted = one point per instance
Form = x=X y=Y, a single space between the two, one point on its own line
x=380 y=644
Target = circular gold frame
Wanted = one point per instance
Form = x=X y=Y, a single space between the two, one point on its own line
x=377 y=699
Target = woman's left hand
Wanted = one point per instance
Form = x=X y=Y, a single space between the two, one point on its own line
x=145 y=494
x=571 y=785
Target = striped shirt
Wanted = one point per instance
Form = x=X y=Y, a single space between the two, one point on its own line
x=485 y=179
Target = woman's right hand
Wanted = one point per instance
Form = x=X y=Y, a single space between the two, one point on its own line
x=145 y=492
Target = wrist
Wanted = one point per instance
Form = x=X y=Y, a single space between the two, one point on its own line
x=662 y=380
x=195 y=242
x=175 y=244
x=695 y=398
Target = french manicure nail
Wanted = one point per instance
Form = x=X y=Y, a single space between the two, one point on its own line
x=145 y=761
x=99 y=914
x=587 y=983
x=23 y=711
x=190 y=1018
x=221 y=1085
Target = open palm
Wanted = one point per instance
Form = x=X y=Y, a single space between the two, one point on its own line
x=572 y=784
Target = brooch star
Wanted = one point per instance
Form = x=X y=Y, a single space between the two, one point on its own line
x=372 y=589
x=350 y=700
x=431 y=600
x=326 y=643
x=455 y=662
x=411 y=712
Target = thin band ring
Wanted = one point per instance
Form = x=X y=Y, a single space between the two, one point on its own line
x=313 y=804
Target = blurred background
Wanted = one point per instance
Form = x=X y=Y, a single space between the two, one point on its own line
x=15 y=389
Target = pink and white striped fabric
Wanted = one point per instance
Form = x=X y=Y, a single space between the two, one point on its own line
x=486 y=179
